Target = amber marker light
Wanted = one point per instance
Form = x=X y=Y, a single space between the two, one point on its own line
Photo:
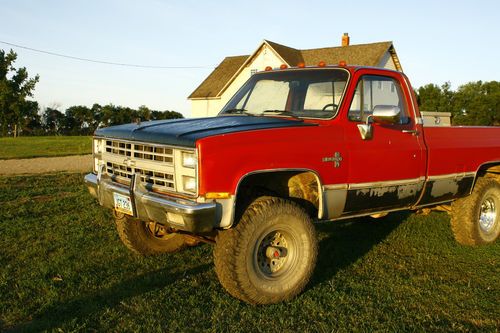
x=321 y=64
x=268 y=68
x=283 y=66
x=342 y=63
x=217 y=195
x=301 y=65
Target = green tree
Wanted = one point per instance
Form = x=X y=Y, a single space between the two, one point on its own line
x=160 y=115
x=97 y=112
x=478 y=103
x=31 y=123
x=144 y=113
x=15 y=86
x=474 y=103
x=432 y=97
x=54 y=121
x=79 y=120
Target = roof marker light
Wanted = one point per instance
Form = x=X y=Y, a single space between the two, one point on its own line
x=342 y=63
x=321 y=64
x=268 y=68
x=283 y=66
x=301 y=65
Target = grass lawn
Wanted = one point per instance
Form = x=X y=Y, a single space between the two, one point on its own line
x=64 y=269
x=44 y=146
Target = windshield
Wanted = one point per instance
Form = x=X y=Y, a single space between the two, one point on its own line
x=296 y=93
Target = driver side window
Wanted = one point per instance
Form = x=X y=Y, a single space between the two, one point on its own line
x=373 y=91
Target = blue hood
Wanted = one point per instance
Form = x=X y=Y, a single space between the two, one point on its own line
x=185 y=132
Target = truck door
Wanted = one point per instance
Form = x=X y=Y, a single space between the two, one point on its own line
x=386 y=171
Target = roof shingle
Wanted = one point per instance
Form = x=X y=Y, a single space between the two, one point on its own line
x=363 y=54
x=213 y=84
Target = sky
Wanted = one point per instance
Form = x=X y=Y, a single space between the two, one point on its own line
x=436 y=41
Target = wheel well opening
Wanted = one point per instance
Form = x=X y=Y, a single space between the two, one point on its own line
x=491 y=170
x=301 y=187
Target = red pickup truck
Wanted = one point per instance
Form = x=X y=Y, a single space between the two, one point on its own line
x=293 y=146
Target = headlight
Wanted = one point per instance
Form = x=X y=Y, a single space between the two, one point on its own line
x=97 y=147
x=189 y=184
x=97 y=152
x=188 y=160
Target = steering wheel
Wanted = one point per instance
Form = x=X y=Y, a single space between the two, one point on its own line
x=328 y=105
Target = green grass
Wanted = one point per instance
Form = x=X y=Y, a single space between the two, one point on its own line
x=44 y=146
x=64 y=269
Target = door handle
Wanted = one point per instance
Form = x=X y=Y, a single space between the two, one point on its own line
x=413 y=132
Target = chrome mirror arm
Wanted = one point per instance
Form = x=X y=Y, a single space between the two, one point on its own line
x=366 y=129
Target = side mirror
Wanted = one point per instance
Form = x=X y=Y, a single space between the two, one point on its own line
x=386 y=114
x=382 y=114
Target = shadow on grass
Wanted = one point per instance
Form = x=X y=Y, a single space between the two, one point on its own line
x=58 y=314
x=350 y=240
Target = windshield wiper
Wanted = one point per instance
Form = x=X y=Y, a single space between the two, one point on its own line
x=238 y=111
x=281 y=113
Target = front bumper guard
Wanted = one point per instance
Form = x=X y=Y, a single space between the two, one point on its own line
x=179 y=214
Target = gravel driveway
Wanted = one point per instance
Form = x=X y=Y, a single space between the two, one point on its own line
x=79 y=163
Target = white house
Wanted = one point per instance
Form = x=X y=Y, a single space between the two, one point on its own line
x=216 y=90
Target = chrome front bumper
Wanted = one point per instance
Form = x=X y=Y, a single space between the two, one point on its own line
x=179 y=214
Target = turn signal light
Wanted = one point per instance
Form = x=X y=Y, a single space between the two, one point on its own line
x=268 y=68
x=217 y=195
x=321 y=64
x=283 y=66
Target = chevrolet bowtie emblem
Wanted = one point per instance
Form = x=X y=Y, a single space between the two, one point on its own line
x=336 y=159
x=128 y=162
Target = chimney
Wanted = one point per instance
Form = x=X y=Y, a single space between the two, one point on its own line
x=345 y=39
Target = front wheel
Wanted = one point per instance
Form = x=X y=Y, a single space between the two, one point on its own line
x=475 y=219
x=147 y=238
x=270 y=255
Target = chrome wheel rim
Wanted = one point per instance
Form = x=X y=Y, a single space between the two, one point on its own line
x=276 y=254
x=488 y=214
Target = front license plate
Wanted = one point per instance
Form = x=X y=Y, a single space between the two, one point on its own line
x=123 y=204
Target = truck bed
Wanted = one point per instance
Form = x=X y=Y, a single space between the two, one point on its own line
x=460 y=149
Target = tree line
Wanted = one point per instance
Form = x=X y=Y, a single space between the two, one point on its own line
x=21 y=116
x=474 y=103
x=79 y=120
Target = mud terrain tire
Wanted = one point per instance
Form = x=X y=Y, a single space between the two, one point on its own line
x=475 y=219
x=270 y=255
x=139 y=237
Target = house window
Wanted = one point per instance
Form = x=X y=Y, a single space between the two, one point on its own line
x=253 y=71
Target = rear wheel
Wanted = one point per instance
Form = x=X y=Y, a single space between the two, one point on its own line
x=147 y=238
x=270 y=255
x=476 y=219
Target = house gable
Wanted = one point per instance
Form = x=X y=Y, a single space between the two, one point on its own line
x=216 y=90
x=291 y=56
x=381 y=54
x=212 y=86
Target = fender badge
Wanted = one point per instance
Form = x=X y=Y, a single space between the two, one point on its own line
x=336 y=159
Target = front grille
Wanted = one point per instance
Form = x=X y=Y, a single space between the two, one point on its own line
x=140 y=151
x=155 y=164
x=158 y=180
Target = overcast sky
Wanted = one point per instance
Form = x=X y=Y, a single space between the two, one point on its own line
x=437 y=41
